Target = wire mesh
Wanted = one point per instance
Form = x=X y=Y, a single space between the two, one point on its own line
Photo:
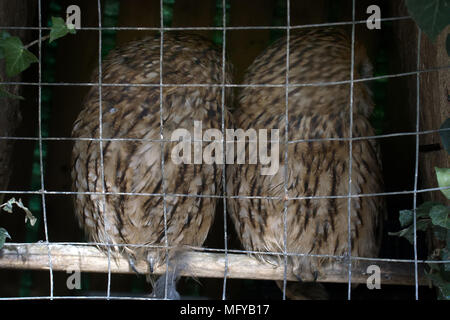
x=350 y=157
x=41 y=162
x=416 y=168
x=224 y=196
x=224 y=190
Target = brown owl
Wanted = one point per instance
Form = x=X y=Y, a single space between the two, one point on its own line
x=133 y=209
x=315 y=167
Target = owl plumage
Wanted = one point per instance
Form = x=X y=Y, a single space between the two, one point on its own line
x=134 y=166
x=314 y=168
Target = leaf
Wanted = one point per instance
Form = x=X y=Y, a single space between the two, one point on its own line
x=434 y=267
x=7 y=206
x=6 y=94
x=439 y=216
x=408 y=233
x=443 y=178
x=448 y=240
x=71 y=27
x=3 y=235
x=3 y=35
x=441 y=284
x=60 y=29
x=445 y=253
x=440 y=233
x=445 y=135
x=423 y=211
x=28 y=215
x=430 y=15
x=17 y=58
x=445 y=256
x=406 y=217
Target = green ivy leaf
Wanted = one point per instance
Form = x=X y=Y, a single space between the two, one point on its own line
x=441 y=284
x=443 y=178
x=440 y=233
x=8 y=207
x=408 y=233
x=423 y=211
x=406 y=217
x=3 y=235
x=448 y=239
x=60 y=29
x=436 y=267
x=445 y=256
x=430 y=15
x=3 y=35
x=439 y=216
x=17 y=58
x=445 y=135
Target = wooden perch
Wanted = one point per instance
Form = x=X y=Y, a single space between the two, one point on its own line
x=200 y=264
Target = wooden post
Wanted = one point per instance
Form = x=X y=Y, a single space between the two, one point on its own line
x=434 y=91
x=434 y=110
x=434 y=103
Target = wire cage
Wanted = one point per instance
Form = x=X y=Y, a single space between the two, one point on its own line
x=409 y=80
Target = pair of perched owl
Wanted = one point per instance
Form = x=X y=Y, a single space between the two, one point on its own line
x=145 y=202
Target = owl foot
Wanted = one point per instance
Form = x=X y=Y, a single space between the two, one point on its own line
x=315 y=275
x=132 y=264
x=151 y=265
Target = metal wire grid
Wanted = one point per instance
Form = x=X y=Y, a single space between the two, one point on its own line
x=416 y=169
x=224 y=189
x=41 y=162
x=350 y=158
x=224 y=195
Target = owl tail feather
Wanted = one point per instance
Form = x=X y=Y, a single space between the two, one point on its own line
x=168 y=281
x=304 y=290
x=159 y=288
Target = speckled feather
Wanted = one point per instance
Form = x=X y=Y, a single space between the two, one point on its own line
x=318 y=168
x=135 y=166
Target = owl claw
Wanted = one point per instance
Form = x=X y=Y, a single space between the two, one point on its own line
x=132 y=264
x=151 y=265
x=315 y=275
x=299 y=278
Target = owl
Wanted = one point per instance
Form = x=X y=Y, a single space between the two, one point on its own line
x=144 y=205
x=276 y=211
